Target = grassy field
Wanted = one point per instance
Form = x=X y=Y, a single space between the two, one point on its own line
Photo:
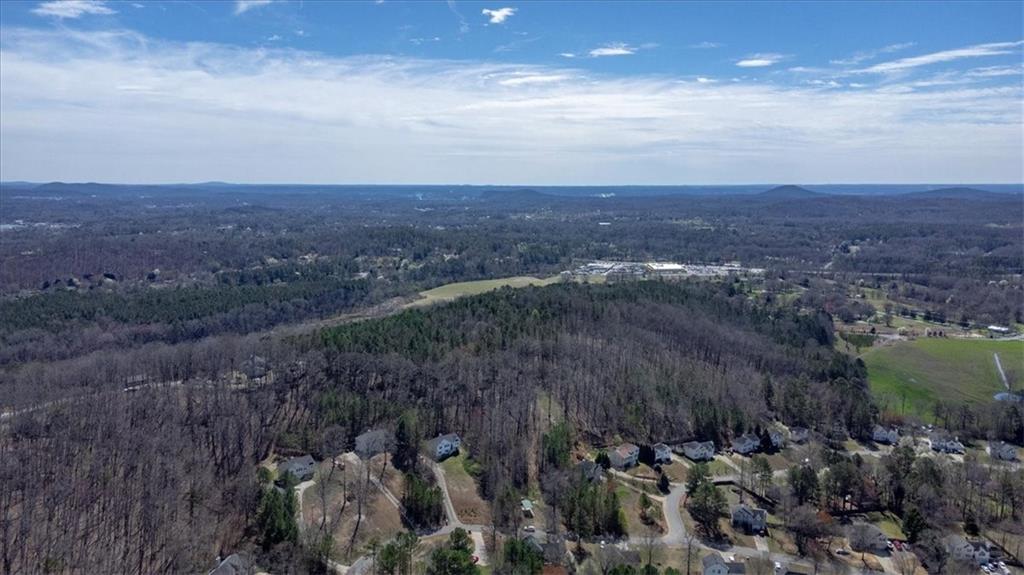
x=449 y=292
x=909 y=377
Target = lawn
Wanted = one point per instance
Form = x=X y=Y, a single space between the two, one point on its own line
x=452 y=291
x=909 y=377
x=462 y=488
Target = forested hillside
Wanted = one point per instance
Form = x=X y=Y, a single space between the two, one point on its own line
x=642 y=361
x=646 y=362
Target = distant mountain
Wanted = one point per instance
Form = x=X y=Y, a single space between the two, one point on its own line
x=789 y=192
x=958 y=193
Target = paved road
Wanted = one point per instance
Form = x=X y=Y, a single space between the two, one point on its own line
x=676 y=533
x=1002 y=374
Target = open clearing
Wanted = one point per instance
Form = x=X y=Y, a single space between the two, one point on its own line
x=469 y=506
x=449 y=292
x=909 y=377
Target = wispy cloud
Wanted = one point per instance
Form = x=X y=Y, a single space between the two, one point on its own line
x=463 y=25
x=532 y=79
x=705 y=45
x=976 y=51
x=863 y=56
x=243 y=6
x=613 y=49
x=73 y=8
x=115 y=112
x=499 y=15
x=568 y=55
x=760 y=60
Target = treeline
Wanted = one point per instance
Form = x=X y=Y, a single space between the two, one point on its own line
x=66 y=324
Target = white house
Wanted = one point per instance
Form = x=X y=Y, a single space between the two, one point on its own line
x=699 y=450
x=967 y=551
x=887 y=435
x=746 y=444
x=624 y=456
x=1002 y=450
x=714 y=564
x=752 y=519
x=662 y=453
x=443 y=445
x=944 y=443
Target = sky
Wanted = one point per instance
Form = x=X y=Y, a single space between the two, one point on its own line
x=505 y=92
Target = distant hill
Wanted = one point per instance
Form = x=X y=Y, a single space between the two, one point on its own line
x=789 y=192
x=959 y=193
x=521 y=194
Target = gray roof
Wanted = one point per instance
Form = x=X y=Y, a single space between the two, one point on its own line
x=712 y=559
x=234 y=564
x=297 y=465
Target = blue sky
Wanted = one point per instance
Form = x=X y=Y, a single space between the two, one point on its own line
x=511 y=92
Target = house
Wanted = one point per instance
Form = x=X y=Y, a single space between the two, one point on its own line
x=866 y=537
x=752 y=519
x=777 y=439
x=443 y=446
x=944 y=443
x=887 y=435
x=746 y=444
x=624 y=456
x=301 y=468
x=662 y=453
x=699 y=450
x=372 y=442
x=799 y=434
x=714 y=564
x=533 y=543
x=966 y=551
x=234 y=564
x=527 y=507
x=1002 y=450
x=590 y=471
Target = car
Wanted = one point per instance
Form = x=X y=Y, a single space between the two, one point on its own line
x=841 y=551
x=529 y=528
x=890 y=545
x=898 y=545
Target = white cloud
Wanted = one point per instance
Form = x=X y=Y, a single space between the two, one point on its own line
x=528 y=79
x=73 y=8
x=977 y=51
x=243 y=6
x=703 y=80
x=613 y=49
x=859 y=57
x=113 y=111
x=760 y=60
x=498 y=16
x=706 y=45
x=567 y=55
x=995 y=71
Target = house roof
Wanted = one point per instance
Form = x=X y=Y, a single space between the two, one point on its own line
x=753 y=512
x=527 y=505
x=712 y=559
x=626 y=449
x=297 y=464
x=660 y=447
x=451 y=437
